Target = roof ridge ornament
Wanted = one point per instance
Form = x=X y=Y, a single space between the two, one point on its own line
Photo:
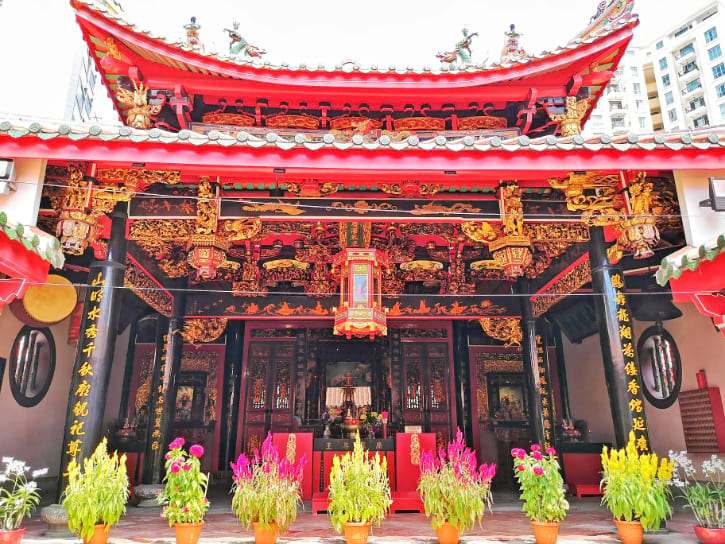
x=608 y=12
x=238 y=45
x=192 y=40
x=462 y=51
x=512 y=50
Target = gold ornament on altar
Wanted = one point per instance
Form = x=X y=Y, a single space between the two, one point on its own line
x=570 y=122
x=414 y=450
x=198 y=331
x=508 y=330
x=139 y=116
x=291 y=448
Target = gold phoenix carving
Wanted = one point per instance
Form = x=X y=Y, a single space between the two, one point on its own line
x=508 y=330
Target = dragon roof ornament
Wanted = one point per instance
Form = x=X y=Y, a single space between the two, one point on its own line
x=608 y=12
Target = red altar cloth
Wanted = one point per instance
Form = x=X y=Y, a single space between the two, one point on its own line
x=303 y=446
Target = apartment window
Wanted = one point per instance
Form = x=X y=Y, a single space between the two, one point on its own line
x=672 y=114
x=663 y=63
x=669 y=98
x=710 y=35
x=714 y=52
x=689 y=67
x=666 y=80
x=642 y=122
x=687 y=50
x=639 y=104
x=701 y=122
x=719 y=70
x=682 y=30
x=720 y=89
x=636 y=88
x=694 y=84
x=618 y=123
x=617 y=105
x=660 y=44
x=722 y=110
x=697 y=103
x=633 y=70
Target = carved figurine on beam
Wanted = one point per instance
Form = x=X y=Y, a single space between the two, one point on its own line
x=570 y=122
x=239 y=45
x=139 y=116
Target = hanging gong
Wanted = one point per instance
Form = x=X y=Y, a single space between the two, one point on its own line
x=46 y=304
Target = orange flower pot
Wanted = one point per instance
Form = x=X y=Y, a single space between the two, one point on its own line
x=357 y=533
x=100 y=534
x=545 y=533
x=448 y=534
x=11 y=537
x=630 y=532
x=265 y=534
x=188 y=533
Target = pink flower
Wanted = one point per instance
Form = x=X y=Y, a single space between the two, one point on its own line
x=521 y=468
x=515 y=452
x=537 y=455
x=175 y=468
x=186 y=510
x=538 y=471
x=521 y=454
x=178 y=443
x=535 y=447
x=167 y=456
x=196 y=450
x=550 y=451
x=187 y=466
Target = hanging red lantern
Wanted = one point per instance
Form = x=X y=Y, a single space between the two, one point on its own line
x=207 y=254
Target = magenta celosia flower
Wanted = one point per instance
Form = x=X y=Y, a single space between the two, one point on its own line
x=535 y=447
x=550 y=451
x=177 y=443
x=197 y=450
x=537 y=455
x=175 y=468
x=187 y=466
x=538 y=471
x=521 y=468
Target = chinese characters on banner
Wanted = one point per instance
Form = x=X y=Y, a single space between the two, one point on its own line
x=547 y=399
x=631 y=369
x=84 y=375
x=156 y=432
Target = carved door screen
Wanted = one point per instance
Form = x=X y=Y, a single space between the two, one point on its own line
x=270 y=401
x=426 y=398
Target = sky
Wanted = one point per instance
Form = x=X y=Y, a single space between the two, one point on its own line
x=390 y=32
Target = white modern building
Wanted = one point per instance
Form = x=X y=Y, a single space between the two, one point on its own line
x=624 y=106
x=685 y=70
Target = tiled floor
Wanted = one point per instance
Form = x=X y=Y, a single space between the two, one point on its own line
x=587 y=522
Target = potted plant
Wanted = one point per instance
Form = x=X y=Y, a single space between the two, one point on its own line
x=266 y=491
x=371 y=421
x=96 y=495
x=706 y=498
x=542 y=490
x=359 y=493
x=19 y=496
x=455 y=492
x=636 y=490
x=184 y=493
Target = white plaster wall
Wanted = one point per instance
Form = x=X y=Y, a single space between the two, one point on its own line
x=21 y=205
x=701 y=347
x=701 y=224
x=36 y=434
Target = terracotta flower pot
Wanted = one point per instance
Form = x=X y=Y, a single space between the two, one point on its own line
x=545 y=532
x=448 y=534
x=100 y=534
x=357 y=533
x=265 y=534
x=11 y=537
x=706 y=536
x=630 y=532
x=188 y=533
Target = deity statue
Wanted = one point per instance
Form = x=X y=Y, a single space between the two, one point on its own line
x=239 y=45
x=512 y=50
x=139 y=115
x=193 y=41
x=462 y=51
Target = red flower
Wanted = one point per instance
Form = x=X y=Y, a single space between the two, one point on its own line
x=521 y=468
x=187 y=466
x=535 y=447
x=178 y=443
x=175 y=468
x=521 y=454
x=537 y=455
x=550 y=451
x=538 y=471
x=196 y=450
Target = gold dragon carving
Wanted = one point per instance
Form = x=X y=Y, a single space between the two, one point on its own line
x=198 y=331
x=242 y=229
x=595 y=195
x=508 y=330
x=140 y=112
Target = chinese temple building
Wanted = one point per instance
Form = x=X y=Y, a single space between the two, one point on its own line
x=275 y=248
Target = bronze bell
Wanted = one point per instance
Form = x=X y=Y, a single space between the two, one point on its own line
x=654 y=303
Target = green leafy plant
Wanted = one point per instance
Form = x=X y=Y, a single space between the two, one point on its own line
x=541 y=484
x=636 y=485
x=705 y=498
x=267 y=488
x=184 y=493
x=19 y=496
x=96 y=493
x=452 y=488
x=359 y=488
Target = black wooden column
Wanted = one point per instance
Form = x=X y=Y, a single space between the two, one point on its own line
x=128 y=371
x=621 y=370
x=233 y=360
x=94 y=354
x=545 y=391
x=531 y=366
x=167 y=365
x=462 y=371
x=561 y=373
